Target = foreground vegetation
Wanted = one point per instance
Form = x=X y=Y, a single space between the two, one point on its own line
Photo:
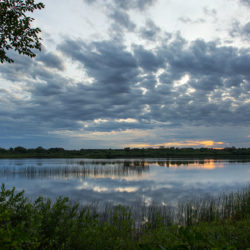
x=40 y=152
x=222 y=222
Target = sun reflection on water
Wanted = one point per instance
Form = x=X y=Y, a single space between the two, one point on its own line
x=208 y=164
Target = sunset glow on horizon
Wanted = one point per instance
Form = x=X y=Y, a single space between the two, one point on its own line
x=206 y=143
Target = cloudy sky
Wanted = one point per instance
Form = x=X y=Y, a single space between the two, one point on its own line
x=138 y=73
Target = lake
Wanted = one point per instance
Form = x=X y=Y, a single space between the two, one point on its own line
x=123 y=181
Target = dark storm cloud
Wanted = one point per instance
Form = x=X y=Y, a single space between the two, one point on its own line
x=246 y=29
x=211 y=69
x=55 y=104
x=239 y=30
x=51 y=60
x=245 y=2
x=122 y=19
x=113 y=126
x=134 y=4
x=150 y=31
x=188 y=20
x=147 y=59
x=16 y=71
x=118 y=12
x=126 y=5
x=202 y=58
x=111 y=65
x=178 y=83
x=26 y=68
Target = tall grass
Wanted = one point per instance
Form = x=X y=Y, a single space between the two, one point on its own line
x=226 y=206
x=215 y=222
x=233 y=206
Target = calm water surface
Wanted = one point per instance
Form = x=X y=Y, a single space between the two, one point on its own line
x=164 y=181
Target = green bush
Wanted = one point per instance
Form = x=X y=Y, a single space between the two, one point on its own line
x=43 y=224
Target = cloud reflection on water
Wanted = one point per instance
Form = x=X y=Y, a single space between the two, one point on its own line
x=124 y=181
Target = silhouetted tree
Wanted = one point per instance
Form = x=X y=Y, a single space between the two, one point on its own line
x=20 y=149
x=40 y=150
x=56 y=150
x=15 y=28
x=3 y=150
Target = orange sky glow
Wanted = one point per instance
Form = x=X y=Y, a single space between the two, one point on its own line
x=189 y=143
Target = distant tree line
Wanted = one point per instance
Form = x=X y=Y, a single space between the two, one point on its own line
x=22 y=152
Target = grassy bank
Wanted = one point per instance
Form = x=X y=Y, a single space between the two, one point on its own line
x=222 y=222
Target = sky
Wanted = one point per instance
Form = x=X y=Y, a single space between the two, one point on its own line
x=134 y=73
